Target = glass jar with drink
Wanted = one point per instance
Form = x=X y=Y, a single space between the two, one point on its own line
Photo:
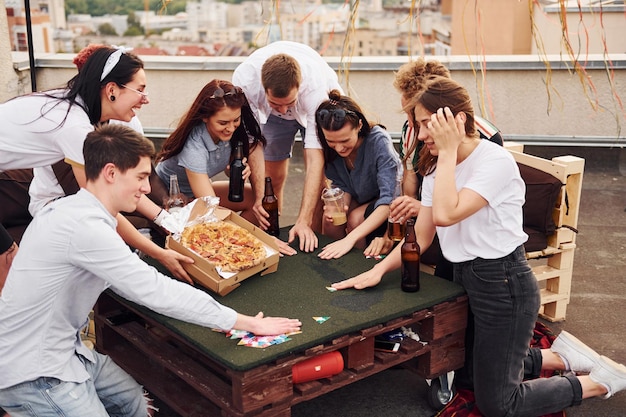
x=334 y=205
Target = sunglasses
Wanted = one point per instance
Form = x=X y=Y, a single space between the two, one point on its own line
x=337 y=115
x=220 y=93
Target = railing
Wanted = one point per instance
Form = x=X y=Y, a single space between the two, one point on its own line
x=516 y=93
x=160 y=134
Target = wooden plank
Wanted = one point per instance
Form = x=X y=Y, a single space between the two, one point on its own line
x=161 y=383
x=446 y=318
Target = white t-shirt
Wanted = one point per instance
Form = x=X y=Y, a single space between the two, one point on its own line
x=318 y=78
x=28 y=140
x=495 y=230
x=45 y=187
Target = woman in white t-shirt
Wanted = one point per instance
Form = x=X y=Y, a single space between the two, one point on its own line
x=42 y=128
x=472 y=196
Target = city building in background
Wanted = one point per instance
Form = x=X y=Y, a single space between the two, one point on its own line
x=376 y=28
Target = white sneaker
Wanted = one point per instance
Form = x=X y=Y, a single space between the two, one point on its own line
x=578 y=356
x=610 y=374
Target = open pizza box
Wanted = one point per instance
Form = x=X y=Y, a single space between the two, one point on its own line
x=205 y=273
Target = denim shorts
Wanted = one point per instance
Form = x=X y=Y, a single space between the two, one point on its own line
x=280 y=135
x=109 y=391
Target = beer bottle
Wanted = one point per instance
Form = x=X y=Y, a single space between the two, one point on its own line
x=236 y=183
x=176 y=199
x=395 y=227
x=410 y=251
x=270 y=204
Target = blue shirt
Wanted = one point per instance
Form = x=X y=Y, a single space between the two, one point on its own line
x=375 y=169
x=199 y=154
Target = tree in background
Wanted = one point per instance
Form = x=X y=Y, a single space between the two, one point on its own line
x=107 y=29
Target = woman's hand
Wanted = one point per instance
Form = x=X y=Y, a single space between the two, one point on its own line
x=404 y=207
x=337 y=249
x=367 y=279
x=284 y=248
x=246 y=171
x=328 y=213
x=447 y=130
x=379 y=246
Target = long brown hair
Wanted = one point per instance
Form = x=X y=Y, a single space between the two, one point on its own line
x=440 y=92
x=206 y=105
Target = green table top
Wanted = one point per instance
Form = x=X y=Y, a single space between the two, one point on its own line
x=298 y=290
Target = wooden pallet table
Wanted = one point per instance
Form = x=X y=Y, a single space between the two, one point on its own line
x=199 y=372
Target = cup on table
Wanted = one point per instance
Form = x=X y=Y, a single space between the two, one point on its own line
x=334 y=206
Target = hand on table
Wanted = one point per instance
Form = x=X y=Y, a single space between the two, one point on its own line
x=308 y=239
x=366 y=279
x=336 y=249
x=284 y=248
x=267 y=326
x=379 y=246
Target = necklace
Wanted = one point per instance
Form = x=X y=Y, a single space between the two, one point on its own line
x=349 y=163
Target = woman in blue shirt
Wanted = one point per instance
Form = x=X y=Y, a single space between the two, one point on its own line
x=359 y=159
x=202 y=144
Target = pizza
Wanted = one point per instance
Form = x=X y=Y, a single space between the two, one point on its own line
x=228 y=246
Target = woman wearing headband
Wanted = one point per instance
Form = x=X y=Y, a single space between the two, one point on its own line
x=42 y=128
x=203 y=144
x=360 y=159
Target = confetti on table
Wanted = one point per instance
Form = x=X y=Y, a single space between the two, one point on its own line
x=331 y=289
x=377 y=257
x=250 y=340
x=321 y=320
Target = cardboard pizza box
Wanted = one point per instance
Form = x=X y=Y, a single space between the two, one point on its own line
x=204 y=272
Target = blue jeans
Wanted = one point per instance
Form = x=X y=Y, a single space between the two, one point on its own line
x=110 y=391
x=504 y=298
x=280 y=135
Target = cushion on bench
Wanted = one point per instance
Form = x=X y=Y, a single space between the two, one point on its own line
x=542 y=192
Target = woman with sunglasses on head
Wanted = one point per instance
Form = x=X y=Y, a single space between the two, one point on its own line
x=203 y=144
x=40 y=129
x=472 y=196
x=359 y=159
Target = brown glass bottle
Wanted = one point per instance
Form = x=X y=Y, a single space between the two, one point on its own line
x=270 y=204
x=410 y=251
x=395 y=227
x=236 y=183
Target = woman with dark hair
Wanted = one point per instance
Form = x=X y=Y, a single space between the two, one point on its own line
x=472 y=196
x=359 y=159
x=203 y=144
x=40 y=129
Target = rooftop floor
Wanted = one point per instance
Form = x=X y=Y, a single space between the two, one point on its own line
x=596 y=313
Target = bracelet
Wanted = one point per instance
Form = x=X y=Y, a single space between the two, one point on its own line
x=160 y=217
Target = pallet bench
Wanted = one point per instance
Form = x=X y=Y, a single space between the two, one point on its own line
x=554 y=265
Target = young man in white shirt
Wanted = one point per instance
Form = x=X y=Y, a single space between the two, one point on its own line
x=68 y=256
x=284 y=83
